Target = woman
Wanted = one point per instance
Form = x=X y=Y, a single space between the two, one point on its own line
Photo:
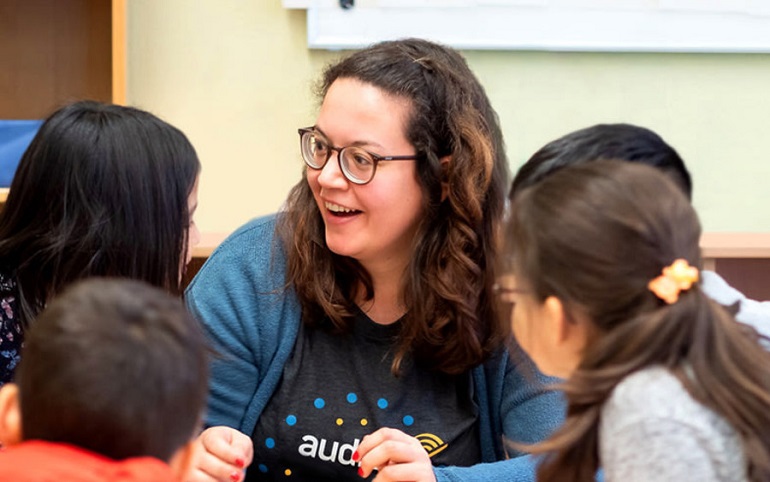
x=358 y=326
x=662 y=383
x=102 y=190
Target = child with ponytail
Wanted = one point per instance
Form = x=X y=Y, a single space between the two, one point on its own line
x=661 y=382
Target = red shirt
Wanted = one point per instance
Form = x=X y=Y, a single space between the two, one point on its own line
x=44 y=461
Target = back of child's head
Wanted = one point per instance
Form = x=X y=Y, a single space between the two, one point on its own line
x=597 y=233
x=623 y=142
x=594 y=236
x=102 y=190
x=116 y=367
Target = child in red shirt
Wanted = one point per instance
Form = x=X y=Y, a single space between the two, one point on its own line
x=111 y=387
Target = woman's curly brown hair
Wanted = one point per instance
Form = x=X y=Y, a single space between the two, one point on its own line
x=451 y=324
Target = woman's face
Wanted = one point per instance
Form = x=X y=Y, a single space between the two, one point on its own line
x=193 y=234
x=373 y=223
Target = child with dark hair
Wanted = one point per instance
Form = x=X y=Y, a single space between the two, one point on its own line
x=661 y=383
x=102 y=190
x=622 y=142
x=111 y=387
x=631 y=143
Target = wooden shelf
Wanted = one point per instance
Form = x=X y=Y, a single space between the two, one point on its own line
x=714 y=245
x=119 y=51
x=735 y=245
x=208 y=243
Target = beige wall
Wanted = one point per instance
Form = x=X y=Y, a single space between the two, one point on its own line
x=235 y=75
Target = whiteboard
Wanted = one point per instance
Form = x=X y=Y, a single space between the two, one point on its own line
x=551 y=25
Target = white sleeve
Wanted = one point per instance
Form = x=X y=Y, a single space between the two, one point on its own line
x=750 y=312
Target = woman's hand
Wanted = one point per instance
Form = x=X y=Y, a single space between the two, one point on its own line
x=396 y=456
x=221 y=455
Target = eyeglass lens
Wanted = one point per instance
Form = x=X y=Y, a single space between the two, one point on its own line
x=357 y=165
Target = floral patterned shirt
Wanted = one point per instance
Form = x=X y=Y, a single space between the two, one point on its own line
x=11 y=331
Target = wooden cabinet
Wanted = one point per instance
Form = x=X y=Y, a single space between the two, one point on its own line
x=57 y=51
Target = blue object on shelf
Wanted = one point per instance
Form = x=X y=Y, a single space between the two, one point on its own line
x=15 y=136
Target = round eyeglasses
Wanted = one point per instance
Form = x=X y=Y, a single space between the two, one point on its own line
x=357 y=164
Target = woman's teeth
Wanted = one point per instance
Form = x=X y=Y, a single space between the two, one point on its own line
x=337 y=209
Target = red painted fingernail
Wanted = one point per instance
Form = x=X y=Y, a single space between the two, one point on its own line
x=356 y=456
x=360 y=472
x=240 y=463
x=235 y=476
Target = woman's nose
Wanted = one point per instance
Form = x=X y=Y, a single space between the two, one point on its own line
x=331 y=175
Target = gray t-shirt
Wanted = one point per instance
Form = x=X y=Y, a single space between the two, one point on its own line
x=338 y=388
x=652 y=430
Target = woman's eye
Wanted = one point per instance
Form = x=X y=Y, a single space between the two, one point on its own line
x=319 y=146
x=362 y=160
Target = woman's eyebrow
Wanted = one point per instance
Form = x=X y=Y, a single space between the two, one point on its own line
x=355 y=143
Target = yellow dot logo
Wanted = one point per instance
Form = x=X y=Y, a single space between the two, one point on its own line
x=364 y=422
x=287 y=472
x=340 y=421
x=431 y=443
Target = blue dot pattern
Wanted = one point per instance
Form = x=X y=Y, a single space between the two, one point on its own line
x=382 y=403
x=291 y=420
x=263 y=468
x=269 y=443
x=319 y=403
x=408 y=420
x=352 y=398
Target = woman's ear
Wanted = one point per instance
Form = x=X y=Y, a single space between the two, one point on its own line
x=10 y=415
x=444 y=162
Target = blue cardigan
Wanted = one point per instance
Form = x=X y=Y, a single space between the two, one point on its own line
x=252 y=318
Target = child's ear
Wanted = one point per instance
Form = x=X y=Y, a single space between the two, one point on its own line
x=10 y=415
x=558 y=323
x=182 y=461
x=568 y=335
